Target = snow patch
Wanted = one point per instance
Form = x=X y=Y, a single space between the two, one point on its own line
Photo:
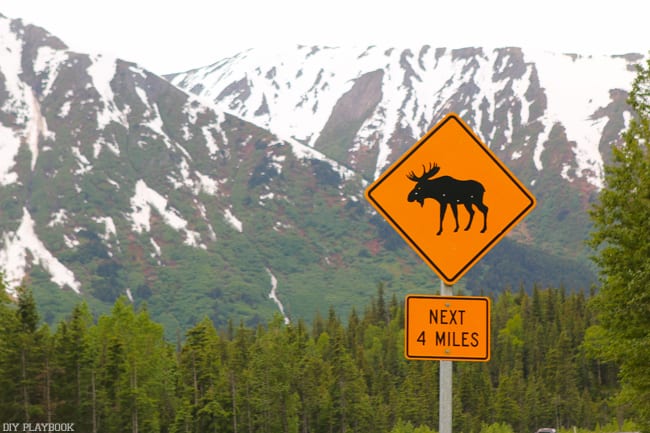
x=70 y=242
x=273 y=295
x=102 y=70
x=141 y=203
x=65 y=109
x=109 y=227
x=542 y=138
x=156 y=248
x=154 y=121
x=280 y=226
x=233 y=221
x=204 y=215
x=576 y=87
x=58 y=218
x=193 y=108
x=565 y=172
x=47 y=62
x=207 y=184
x=112 y=182
x=276 y=162
x=210 y=142
x=302 y=151
x=9 y=146
x=20 y=101
x=10 y=62
x=266 y=196
x=19 y=245
x=84 y=164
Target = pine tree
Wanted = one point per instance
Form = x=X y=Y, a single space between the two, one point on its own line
x=133 y=364
x=73 y=368
x=27 y=354
x=203 y=384
x=313 y=381
x=622 y=236
x=238 y=359
x=7 y=380
x=350 y=401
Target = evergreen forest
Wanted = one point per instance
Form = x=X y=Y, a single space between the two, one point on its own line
x=117 y=373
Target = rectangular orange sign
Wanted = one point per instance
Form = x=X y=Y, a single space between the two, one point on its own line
x=450 y=328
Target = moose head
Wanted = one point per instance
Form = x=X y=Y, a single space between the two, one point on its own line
x=419 y=191
x=448 y=191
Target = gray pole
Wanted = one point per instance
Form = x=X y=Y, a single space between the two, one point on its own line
x=445 y=380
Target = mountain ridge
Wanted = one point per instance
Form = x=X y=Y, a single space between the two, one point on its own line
x=552 y=118
x=424 y=81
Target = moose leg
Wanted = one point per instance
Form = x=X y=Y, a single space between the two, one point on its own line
x=484 y=210
x=468 y=206
x=454 y=209
x=443 y=208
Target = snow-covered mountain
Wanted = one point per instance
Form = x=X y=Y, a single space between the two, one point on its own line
x=551 y=117
x=380 y=99
x=114 y=182
x=246 y=199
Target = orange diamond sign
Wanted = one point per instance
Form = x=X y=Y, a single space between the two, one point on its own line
x=450 y=198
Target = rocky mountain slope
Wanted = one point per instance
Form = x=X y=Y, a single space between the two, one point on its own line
x=384 y=98
x=552 y=118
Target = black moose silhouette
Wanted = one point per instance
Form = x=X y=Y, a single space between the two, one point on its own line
x=449 y=191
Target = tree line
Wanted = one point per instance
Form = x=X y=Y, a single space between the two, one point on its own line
x=117 y=373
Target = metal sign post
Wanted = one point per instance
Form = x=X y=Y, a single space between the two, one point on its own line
x=445 y=408
x=449 y=167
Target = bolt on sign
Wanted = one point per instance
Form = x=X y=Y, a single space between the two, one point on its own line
x=451 y=328
x=450 y=198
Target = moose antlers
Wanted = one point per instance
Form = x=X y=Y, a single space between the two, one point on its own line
x=433 y=169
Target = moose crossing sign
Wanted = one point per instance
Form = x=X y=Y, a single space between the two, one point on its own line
x=450 y=198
